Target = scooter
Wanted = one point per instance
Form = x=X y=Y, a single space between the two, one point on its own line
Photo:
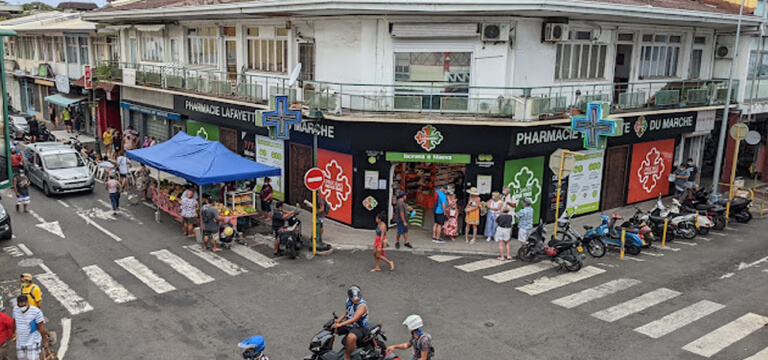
x=594 y=244
x=560 y=252
x=683 y=224
x=373 y=347
x=638 y=223
x=739 y=207
x=701 y=222
x=698 y=200
x=611 y=235
x=289 y=236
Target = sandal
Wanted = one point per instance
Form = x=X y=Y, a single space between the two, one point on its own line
x=500 y=258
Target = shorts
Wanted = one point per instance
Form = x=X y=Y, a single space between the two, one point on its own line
x=266 y=205
x=67 y=122
x=192 y=220
x=440 y=219
x=28 y=352
x=503 y=234
x=22 y=200
x=401 y=228
x=359 y=332
x=210 y=233
x=522 y=235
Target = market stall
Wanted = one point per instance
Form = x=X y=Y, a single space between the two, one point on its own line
x=201 y=162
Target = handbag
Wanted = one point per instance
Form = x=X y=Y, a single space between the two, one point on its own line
x=48 y=354
x=671 y=177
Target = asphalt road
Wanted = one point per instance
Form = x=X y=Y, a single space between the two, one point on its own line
x=712 y=288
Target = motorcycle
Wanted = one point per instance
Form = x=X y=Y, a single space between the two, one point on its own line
x=558 y=251
x=611 y=236
x=682 y=224
x=44 y=134
x=698 y=200
x=594 y=244
x=373 y=346
x=739 y=208
x=636 y=222
x=702 y=223
x=289 y=236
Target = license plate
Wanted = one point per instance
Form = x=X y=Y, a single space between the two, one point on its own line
x=581 y=249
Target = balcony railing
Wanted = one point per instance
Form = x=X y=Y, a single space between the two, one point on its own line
x=446 y=99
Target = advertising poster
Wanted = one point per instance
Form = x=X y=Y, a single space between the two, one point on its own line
x=337 y=185
x=524 y=179
x=203 y=130
x=271 y=152
x=651 y=164
x=585 y=182
x=551 y=201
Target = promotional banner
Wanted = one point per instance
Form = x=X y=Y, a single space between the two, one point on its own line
x=651 y=165
x=551 y=200
x=585 y=182
x=524 y=179
x=203 y=130
x=337 y=185
x=271 y=152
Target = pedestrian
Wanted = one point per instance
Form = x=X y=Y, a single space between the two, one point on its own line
x=420 y=341
x=146 y=142
x=21 y=189
x=508 y=199
x=85 y=150
x=401 y=220
x=77 y=119
x=681 y=180
x=29 y=288
x=189 y=214
x=66 y=115
x=17 y=160
x=34 y=129
x=52 y=115
x=451 y=227
x=266 y=198
x=143 y=180
x=113 y=186
x=504 y=231
x=524 y=221
x=380 y=243
x=7 y=327
x=117 y=142
x=108 y=166
x=106 y=138
x=472 y=214
x=31 y=335
x=278 y=222
x=124 y=167
x=130 y=139
x=153 y=142
x=693 y=179
x=494 y=207
x=322 y=211
x=441 y=202
x=210 y=221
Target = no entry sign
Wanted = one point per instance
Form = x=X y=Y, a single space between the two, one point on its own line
x=313 y=179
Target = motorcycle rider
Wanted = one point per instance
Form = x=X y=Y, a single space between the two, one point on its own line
x=354 y=324
x=254 y=348
x=421 y=342
x=278 y=221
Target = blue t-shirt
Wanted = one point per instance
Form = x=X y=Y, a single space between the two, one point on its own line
x=441 y=199
x=350 y=313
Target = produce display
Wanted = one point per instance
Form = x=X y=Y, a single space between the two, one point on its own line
x=172 y=197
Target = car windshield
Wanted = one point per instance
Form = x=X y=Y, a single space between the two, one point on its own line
x=62 y=161
x=19 y=120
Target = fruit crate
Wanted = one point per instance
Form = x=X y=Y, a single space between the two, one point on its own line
x=239 y=199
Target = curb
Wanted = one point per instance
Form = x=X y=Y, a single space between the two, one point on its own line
x=419 y=251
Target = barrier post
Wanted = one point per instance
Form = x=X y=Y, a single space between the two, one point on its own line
x=623 y=239
x=664 y=235
x=697 y=220
x=314 y=222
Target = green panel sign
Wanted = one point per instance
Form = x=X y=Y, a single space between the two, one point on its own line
x=203 y=130
x=524 y=177
x=429 y=157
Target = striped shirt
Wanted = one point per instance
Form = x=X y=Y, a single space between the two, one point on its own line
x=27 y=333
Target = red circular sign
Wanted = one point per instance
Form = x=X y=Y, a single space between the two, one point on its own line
x=313 y=179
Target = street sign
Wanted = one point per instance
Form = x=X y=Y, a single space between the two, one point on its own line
x=313 y=179
x=739 y=131
x=88 y=77
x=554 y=163
x=753 y=137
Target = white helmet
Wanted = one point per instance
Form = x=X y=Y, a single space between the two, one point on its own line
x=413 y=322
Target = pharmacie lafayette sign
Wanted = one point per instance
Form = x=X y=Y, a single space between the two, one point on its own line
x=219 y=113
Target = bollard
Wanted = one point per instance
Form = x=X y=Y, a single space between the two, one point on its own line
x=697 y=220
x=664 y=235
x=727 y=213
x=623 y=239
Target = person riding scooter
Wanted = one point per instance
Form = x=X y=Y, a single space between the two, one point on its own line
x=254 y=348
x=421 y=342
x=354 y=324
x=278 y=222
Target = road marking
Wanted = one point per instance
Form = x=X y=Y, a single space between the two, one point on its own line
x=727 y=275
x=62 y=203
x=145 y=274
x=743 y=266
x=703 y=238
x=762 y=355
x=545 y=284
x=679 y=319
x=633 y=259
x=192 y=273
x=597 y=292
x=252 y=255
x=46 y=268
x=25 y=249
x=665 y=248
x=686 y=243
x=64 y=294
x=13 y=250
x=481 y=264
x=517 y=273
x=52 y=227
x=639 y=303
x=717 y=233
x=726 y=335
x=149 y=205
x=105 y=231
x=730 y=229
x=444 y=258
x=223 y=264
x=108 y=285
x=66 y=330
x=648 y=253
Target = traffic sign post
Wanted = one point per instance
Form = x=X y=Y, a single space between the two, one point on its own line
x=738 y=132
x=313 y=180
x=566 y=160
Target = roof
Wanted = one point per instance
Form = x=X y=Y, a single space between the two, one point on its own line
x=49 y=21
x=78 y=5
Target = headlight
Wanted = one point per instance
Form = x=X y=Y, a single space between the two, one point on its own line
x=54 y=177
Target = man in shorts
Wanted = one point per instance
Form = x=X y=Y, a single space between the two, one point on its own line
x=31 y=335
x=21 y=188
x=401 y=219
x=441 y=203
x=210 y=217
x=189 y=213
x=524 y=221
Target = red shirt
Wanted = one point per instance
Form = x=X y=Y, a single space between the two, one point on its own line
x=6 y=327
x=266 y=193
x=17 y=160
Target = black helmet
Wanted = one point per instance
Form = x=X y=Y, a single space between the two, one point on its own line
x=354 y=293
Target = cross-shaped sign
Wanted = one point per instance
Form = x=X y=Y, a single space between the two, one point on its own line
x=595 y=128
x=281 y=118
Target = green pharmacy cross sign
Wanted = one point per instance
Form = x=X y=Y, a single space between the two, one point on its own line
x=595 y=128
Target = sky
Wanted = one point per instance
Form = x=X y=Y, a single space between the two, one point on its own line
x=53 y=3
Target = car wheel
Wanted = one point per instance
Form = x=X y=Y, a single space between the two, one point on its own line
x=46 y=189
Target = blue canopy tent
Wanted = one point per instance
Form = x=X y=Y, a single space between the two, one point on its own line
x=200 y=161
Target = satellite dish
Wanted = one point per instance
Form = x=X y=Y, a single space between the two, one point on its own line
x=294 y=75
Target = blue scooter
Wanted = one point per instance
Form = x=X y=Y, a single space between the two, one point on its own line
x=611 y=235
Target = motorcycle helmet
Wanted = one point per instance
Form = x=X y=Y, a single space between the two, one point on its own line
x=253 y=346
x=228 y=231
x=616 y=216
x=413 y=322
x=354 y=293
x=606 y=220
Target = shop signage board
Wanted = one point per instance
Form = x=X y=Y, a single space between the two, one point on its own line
x=428 y=157
x=129 y=76
x=524 y=177
x=337 y=183
x=246 y=145
x=203 y=130
x=370 y=203
x=281 y=118
x=651 y=165
x=62 y=84
x=550 y=204
x=218 y=113
x=595 y=128
x=705 y=121
x=585 y=182
x=87 y=77
x=271 y=152
x=322 y=130
x=428 y=137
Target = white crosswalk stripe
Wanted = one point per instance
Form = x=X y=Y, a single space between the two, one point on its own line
x=108 y=285
x=637 y=304
x=679 y=319
x=762 y=355
x=182 y=266
x=520 y=272
x=145 y=274
x=444 y=258
x=545 y=284
x=253 y=256
x=481 y=264
x=64 y=294
x=223 y=264
x=726 y=335
x=597 y=292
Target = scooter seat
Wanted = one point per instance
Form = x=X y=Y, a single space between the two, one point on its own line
x=657 y=218
x=588 y=227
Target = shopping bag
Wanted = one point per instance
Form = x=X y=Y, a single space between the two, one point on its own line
x=48 y=354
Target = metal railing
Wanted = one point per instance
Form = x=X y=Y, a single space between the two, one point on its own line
x=429 y=98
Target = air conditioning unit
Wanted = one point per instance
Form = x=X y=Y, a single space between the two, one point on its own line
x=724 y=51
x=554 y=32
x=495 y=32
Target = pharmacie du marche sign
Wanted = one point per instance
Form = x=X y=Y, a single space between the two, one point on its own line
x=429 y=157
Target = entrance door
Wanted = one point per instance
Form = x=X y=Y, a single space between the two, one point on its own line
x=615 y=177
x=231 y=49
x=301 y=161
x=622 y=71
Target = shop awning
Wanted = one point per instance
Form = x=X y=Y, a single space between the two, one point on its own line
x=150 y=110
x=63 y=100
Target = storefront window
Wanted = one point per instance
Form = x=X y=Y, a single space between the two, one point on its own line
x=152 y=47
x=203 y=46
x=439 y=78
x=83 y=40
x=267 y=49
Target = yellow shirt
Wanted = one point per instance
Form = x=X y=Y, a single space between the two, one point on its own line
x=107 y=138
x=35 y=296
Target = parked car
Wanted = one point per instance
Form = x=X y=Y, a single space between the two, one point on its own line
x=6 y=232
x=19 y=126
x=57 y=168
